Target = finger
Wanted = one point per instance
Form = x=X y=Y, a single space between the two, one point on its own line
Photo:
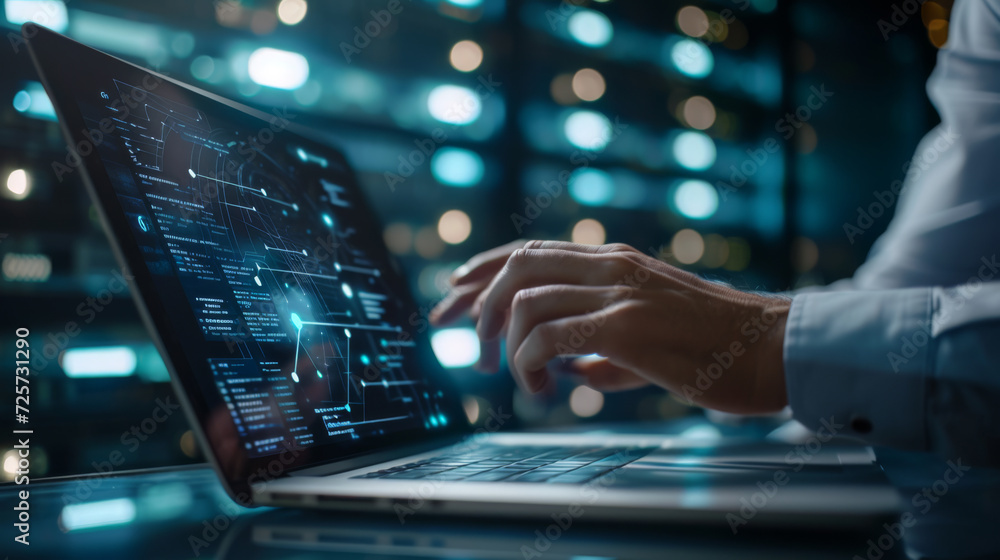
x=489 y=356
x=580 y=248
x=602 y=375
x=533 y=306
x=485 y=264
x=580 y=334
x=536 y=267
x=458 y=301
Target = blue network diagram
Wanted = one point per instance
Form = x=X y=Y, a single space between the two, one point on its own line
x=292 y=302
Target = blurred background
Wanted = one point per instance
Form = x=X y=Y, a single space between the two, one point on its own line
x=734 y=138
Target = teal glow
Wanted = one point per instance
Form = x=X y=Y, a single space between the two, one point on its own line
x=347 y=290
x=97 y=514
x=277 y=68
x=319 y=374
x=328 y=220
x=696 y=199
x=50 y=13
x=692 y=58
x=297 y=321
x=34 y=102
x=694 y=150
x=365 y=359
x=456 y=348
x=589 y=130
x=590 y=28
x=592 y=187
x=108 y=361
x=457 y=167
x=454 y=104
x=466 y=3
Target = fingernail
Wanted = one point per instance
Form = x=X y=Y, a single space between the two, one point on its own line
x=459 y=273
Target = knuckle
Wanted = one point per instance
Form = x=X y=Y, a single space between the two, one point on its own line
x=622 y=248
x=534 y=244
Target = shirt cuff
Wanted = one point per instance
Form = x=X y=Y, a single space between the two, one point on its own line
x=857 y=363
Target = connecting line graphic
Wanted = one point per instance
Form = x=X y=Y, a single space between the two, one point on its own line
x=370 y=271
x=259 y=268
x=259 y=192
x=303 y=252
x=355 y=326
x=254 y=209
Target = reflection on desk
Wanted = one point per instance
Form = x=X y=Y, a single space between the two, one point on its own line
x=184 y=513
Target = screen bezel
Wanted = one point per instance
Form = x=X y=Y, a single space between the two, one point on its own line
x=50 y=50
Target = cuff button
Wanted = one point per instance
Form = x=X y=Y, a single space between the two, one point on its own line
x=861 y=425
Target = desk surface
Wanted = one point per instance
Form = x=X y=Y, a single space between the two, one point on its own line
x=184 y=513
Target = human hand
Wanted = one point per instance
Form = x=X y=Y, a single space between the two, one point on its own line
x=649 y=321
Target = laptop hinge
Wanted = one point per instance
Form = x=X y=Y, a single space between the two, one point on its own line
x=357 y=462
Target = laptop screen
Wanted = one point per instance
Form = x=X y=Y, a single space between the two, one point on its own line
x=270 y=267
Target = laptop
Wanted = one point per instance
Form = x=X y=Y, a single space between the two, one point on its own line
x=301 y=359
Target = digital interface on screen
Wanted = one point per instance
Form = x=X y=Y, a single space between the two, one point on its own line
x=290 y=301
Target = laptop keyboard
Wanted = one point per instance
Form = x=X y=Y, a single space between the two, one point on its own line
x=556 y=465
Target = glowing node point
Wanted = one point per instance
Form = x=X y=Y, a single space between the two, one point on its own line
x=365 y=360
x=192 y=173
x=337 y=267
x=319 y=373
x=263 y=192
x=304 y=252
x=257 y=280
x=295 y=377
x=385 y=383
x=295 y=207
x=347 y=290
x=347 y=333
x=347 y=407
x=297 y=321
x=326 y=219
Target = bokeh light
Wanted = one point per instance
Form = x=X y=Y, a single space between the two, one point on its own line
x=585 y=402
x=588 y=232
x=698 y=112
x=398 y=237
x=589 y=130
x=696 y=199
x=454 y=104
x=694 y=150
x=456 y=348
x=692 y=58
x=454 y=227
x=457 y=167
x=292 y=12
x=687 y=246
x=18 y=184
x=591 y=187
x=588 y=84
x=466 y=56
x=590 y=28
x=278 y=69
x=692 y=21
